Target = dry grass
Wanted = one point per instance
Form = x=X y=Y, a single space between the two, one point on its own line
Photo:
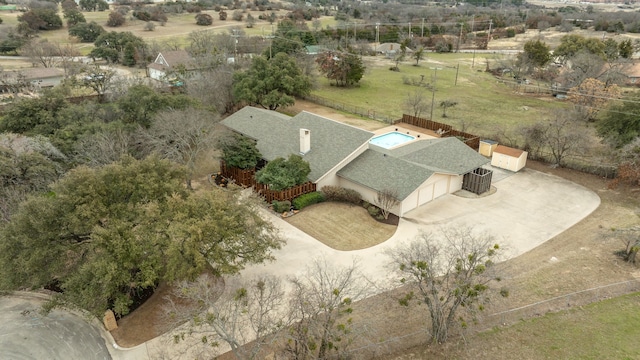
x=342 y=226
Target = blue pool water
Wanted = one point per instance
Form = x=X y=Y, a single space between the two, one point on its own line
x=391 y=139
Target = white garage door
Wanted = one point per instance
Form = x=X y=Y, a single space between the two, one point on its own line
x=440 y=189
x=425 y=195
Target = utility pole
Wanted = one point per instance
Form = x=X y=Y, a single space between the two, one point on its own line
x=378 y=33
x=422 y=28
x=489 y=33
x=409 y=31
x=460 y=37
x=355 y=34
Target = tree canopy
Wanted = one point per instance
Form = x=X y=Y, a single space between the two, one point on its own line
x=282 y=174
x=572 y=44
x=240 y=151
x=345 y=68
x=620 y=123
x=86 y=32
x=116 y=47
x=271 y=83
x=103 y=235
x=536 y=52
x=41 y=19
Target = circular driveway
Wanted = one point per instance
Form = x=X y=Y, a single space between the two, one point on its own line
x=528 y=208
x=25 y=334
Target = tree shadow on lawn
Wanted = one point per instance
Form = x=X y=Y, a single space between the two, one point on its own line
x=343 y=226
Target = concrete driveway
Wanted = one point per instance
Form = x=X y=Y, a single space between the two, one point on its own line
x=527 y=209
x=27 y=335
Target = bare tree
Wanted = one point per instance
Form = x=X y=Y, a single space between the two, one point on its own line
x=214 y=88
x=244 y=314
x=630 y=237
x=321 y=304
x=104 y=147
x=564 y=137
x=183 y=136
x=447 y=104
x=416 y=102
x=42 y=52
x=99 y=80
x=449 y=272
x=386 y=200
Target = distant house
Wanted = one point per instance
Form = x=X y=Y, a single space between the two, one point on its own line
x=169 y=64
x=632 y=73
x=418 y=169
x=33 y=78
x=390 y=49
x=315 y=49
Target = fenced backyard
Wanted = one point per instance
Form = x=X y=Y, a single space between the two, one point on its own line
x=353 y=109
x=247 y=178
x=441 y=129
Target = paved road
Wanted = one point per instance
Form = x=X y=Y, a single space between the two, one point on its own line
x=27 y=335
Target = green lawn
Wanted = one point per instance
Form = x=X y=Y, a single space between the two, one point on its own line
x=483 y=103
x=604 y=330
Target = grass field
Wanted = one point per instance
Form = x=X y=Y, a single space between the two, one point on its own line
x=603 y=330
x=483 y=103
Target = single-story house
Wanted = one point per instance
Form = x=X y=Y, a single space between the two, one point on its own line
x=33 y=78
x=632 y=73
x=418 y=168
x=390 y=49
x=168 y=63
x=509 y=158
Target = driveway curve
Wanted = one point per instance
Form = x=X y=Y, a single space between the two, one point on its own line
x=528 y=208
x=25 y=334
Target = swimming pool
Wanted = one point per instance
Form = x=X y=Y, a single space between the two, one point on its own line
x=391 y=139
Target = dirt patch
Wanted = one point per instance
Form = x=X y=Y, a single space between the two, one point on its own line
x=144 y=323
x=304 y=105
x=342 y=226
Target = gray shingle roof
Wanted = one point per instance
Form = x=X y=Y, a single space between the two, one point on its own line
x=380 y=171
x=405 y=168
x=445 y=155
x=278 y=135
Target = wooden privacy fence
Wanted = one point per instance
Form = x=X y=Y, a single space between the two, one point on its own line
x=247 y=178
x=443 y=130
x=284 y=195
x=242 y=177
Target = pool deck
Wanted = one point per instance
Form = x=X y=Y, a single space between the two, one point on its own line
x=408 y=129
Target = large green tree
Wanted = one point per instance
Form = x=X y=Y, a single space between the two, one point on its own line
x=104 y=235
x=271 y=83
x=41 y=19
x=116 y=47
x=572 y=44
x=141 y=103
x=620 y=123
x=86 y=32
x=344 y=68
x=536 y=52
